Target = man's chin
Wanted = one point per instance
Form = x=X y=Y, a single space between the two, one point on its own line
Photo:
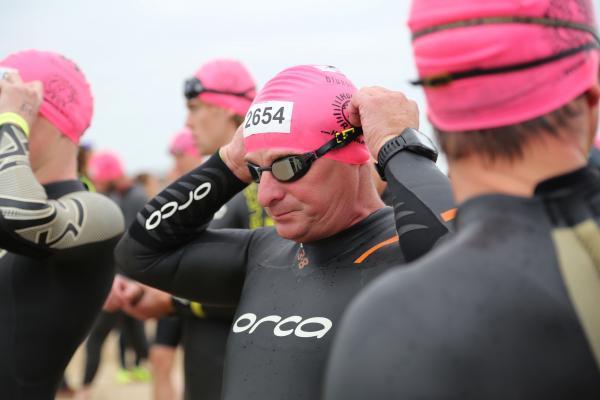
x=289 y=231
x=204 y=149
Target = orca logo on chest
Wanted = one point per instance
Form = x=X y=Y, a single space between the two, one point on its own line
x=295 y=325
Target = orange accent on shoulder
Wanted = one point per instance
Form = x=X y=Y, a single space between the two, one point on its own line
x=373 y=249
x=449 y=215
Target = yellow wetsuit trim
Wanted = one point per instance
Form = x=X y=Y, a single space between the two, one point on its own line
x=197 y=309
x=15 y=119
x=578 y=253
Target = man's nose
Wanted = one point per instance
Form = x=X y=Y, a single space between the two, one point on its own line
x=269 y=189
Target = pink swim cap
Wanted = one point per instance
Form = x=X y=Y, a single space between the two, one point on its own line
x=183 y=143
x=68 y=102
x=470 y=43
x=300 y=109
x=105 y=166
x=229 y=76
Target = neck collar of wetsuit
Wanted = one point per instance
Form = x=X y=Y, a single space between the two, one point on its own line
x=58 y=189
x=579 y=181
x=567 y=192
x=498 y=207
x=323 y=250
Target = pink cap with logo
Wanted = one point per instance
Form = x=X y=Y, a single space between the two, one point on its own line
x=105 y=166
x=509 y=97
x=68 y=103
x=183 y=143
x=227 y=76
x=300 y=109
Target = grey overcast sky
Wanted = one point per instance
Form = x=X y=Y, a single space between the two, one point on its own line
x=136 y=53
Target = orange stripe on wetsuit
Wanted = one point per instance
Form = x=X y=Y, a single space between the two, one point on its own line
x=446 y=216
x=373 y=249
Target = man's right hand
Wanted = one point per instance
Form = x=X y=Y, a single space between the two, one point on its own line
x=233 y=155
x=383 y=115
x=20 y=98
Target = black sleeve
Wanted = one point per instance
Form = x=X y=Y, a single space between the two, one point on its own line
x=186 y=207
x=421 y=195
x=168 y=246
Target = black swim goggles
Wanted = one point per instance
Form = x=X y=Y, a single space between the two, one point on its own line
x=293 y=167
x=192 y=88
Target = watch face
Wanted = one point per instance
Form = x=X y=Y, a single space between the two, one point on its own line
x=423 y=139
x=411 y=140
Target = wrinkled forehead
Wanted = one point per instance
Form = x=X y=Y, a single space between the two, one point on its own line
x=266 y=156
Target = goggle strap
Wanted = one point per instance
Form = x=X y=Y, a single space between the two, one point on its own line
x=341 y=139
x=551 y=22
x=199 y=88
x=446 y=78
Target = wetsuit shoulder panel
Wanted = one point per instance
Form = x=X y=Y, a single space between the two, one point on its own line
x=33 y=224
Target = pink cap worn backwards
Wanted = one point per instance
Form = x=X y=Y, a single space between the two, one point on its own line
x=230 y=77
x=68 y=102
x=300 y=109
x=469 y=37
x=183 y=143
x=105 y=166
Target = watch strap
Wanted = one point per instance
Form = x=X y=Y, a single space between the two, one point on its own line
x=408 y=140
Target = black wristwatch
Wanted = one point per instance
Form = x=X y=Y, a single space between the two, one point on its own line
x=409 y=140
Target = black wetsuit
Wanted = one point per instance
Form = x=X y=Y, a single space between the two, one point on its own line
x=290 y=296
x=55 y=270
x=487 y=314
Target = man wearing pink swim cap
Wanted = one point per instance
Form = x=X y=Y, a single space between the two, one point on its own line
x=506 y=308
x=184 y=152
x=217 y=98
x=56 y=267
x=290 y=283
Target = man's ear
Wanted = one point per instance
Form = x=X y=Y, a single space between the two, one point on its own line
x=592 y=95
x=232 y=116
